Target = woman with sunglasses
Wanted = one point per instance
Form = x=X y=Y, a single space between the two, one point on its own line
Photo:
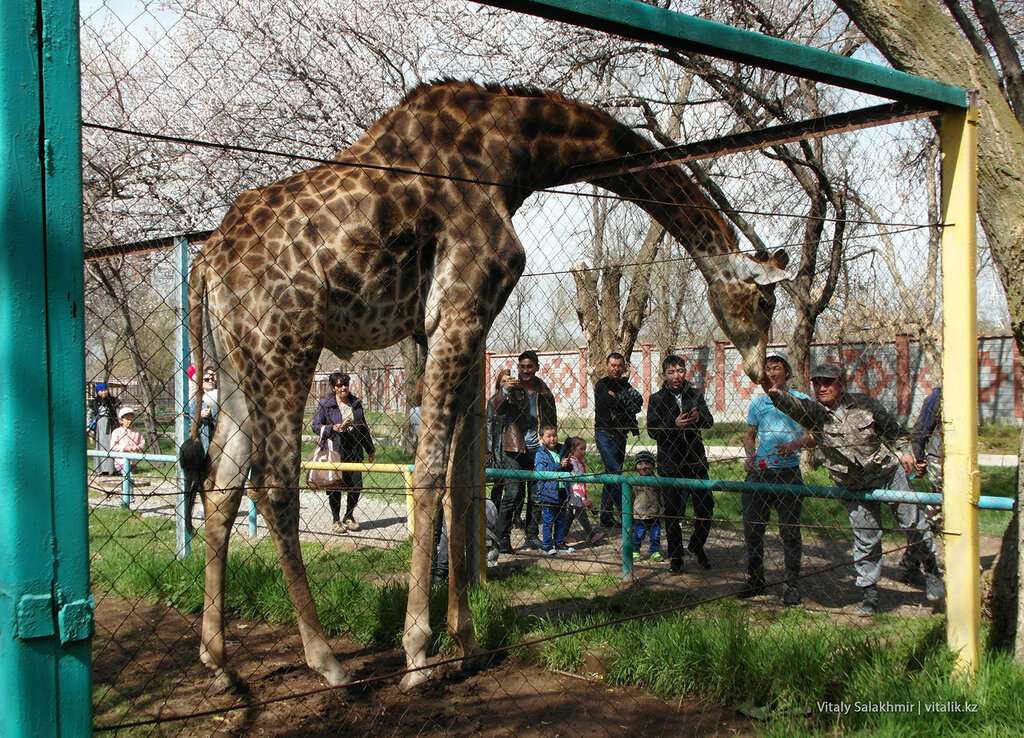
x=339 y=420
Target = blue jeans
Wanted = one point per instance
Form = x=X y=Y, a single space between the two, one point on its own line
x=554 y=525
x=612 y=447
x=641 y=527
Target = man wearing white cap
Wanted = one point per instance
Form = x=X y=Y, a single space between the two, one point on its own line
x=854 y=433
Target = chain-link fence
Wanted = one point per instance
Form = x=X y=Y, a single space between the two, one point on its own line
x=187 y=106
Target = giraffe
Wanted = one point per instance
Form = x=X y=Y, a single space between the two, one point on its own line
x=409 y=232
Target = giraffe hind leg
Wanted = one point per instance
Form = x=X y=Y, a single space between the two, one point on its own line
x=229 y=453
x=278 y=501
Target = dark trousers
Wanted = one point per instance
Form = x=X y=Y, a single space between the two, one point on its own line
x=513 y=495
x=352 y=482
x=757 y=510
x=572 y=514
x=612 y=447
x=674 y=502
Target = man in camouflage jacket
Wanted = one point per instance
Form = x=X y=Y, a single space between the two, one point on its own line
x=857 y=435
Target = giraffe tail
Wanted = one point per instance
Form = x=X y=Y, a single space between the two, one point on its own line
x=196 y=301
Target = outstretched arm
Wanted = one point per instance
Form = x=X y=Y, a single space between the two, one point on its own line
x=811 y=414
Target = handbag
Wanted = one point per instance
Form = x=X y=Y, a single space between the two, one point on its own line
x=323 y=478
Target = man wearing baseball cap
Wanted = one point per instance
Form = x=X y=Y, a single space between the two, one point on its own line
x=771 y=447
x=865 y=448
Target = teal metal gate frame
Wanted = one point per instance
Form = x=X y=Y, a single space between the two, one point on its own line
x=45 y=605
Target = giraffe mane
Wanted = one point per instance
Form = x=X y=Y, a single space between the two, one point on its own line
x=493 y=88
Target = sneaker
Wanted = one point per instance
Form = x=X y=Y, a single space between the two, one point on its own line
x=752 y=588
x=351 y=524
x=791 y=596
x=570 y=539
x=676 y=567
x=656 y=556
x=533 y=543
x=702 y=558
x=563 y=549
x=933 y=587
x=338 y=527
x=869 y=602
x=597 y=537
x=505 y=547
x=550 y=551
x=636 y=555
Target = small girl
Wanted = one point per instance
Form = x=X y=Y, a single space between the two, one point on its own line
x=126 y=438
x=576 y=449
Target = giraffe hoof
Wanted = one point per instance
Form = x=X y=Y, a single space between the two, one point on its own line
x=414 y=680
x=334 y=675
x=475 y=661
x=227 y=682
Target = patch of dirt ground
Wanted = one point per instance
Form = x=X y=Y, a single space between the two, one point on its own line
x=147 y=674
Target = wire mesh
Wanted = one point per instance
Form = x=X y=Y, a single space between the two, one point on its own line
x=188 y=105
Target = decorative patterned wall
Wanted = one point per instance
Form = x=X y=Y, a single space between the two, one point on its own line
x=894 y=372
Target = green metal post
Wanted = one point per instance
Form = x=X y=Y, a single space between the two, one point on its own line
x=126 y=485
x=627 y=529
x=45 y=607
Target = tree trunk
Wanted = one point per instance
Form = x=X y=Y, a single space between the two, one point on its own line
x=918 y=37
x=110 y=280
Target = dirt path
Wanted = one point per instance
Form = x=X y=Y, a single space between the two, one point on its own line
x=149 y=654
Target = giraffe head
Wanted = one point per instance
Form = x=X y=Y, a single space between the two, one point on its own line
x=742 y=297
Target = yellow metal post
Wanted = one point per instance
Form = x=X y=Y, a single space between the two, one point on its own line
x=960 y=379
x=408 y=503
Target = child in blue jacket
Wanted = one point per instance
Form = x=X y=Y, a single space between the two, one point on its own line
x=552 y=494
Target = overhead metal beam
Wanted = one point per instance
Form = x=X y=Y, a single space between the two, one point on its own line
x=750 y=140
x=651 y=24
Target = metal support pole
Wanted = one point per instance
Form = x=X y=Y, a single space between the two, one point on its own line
x=960 y=370
x=627 y=531
x=254 y=519
x=182 y=421
x=126 y=484
x=46 y=612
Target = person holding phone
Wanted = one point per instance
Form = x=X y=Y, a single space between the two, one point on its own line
x=675 y=416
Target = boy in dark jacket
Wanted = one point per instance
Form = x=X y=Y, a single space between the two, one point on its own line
x=675 y=416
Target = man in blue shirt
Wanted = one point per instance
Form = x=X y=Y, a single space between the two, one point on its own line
x=774 y=460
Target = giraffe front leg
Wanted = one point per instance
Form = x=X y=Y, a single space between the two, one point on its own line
x=465 y=519
x=417 y=615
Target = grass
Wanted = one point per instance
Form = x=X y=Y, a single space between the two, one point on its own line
x=998 y=439
x=775 y=667
x=781 y=669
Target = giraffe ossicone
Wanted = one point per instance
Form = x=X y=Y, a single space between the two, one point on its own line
x=409 y=233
